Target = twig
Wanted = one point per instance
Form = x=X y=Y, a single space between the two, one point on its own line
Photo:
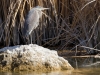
x=87 y=48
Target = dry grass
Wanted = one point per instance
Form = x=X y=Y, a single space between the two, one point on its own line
x=70 y=22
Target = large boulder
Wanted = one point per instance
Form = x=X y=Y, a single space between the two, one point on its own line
x=31 y=58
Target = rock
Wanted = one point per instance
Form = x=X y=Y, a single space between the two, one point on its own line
x=31 y=58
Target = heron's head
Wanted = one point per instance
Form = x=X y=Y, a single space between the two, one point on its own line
x=40 y=8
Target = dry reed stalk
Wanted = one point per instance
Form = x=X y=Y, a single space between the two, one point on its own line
x=70 y=22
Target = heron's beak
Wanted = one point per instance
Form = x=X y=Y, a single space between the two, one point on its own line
x=45 y=8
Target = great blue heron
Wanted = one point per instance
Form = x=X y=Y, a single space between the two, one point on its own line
x=32 y=20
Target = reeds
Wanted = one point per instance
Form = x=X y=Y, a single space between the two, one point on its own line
x=70 y=23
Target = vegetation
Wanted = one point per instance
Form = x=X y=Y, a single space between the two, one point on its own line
x=69 y=23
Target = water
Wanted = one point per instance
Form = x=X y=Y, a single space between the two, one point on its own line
x=83 y=66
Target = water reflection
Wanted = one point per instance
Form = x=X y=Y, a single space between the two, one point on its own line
x=68 y=72
x=88 y=62
x=85 y=66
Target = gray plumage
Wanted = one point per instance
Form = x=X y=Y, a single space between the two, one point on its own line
x=32 y=20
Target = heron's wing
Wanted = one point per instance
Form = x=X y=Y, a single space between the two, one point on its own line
x=31 y=22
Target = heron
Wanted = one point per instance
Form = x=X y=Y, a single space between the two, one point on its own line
x=32 y=20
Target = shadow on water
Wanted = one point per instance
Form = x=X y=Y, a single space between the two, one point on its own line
x=83 y=66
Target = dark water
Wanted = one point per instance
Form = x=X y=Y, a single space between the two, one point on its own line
x=83 y=66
